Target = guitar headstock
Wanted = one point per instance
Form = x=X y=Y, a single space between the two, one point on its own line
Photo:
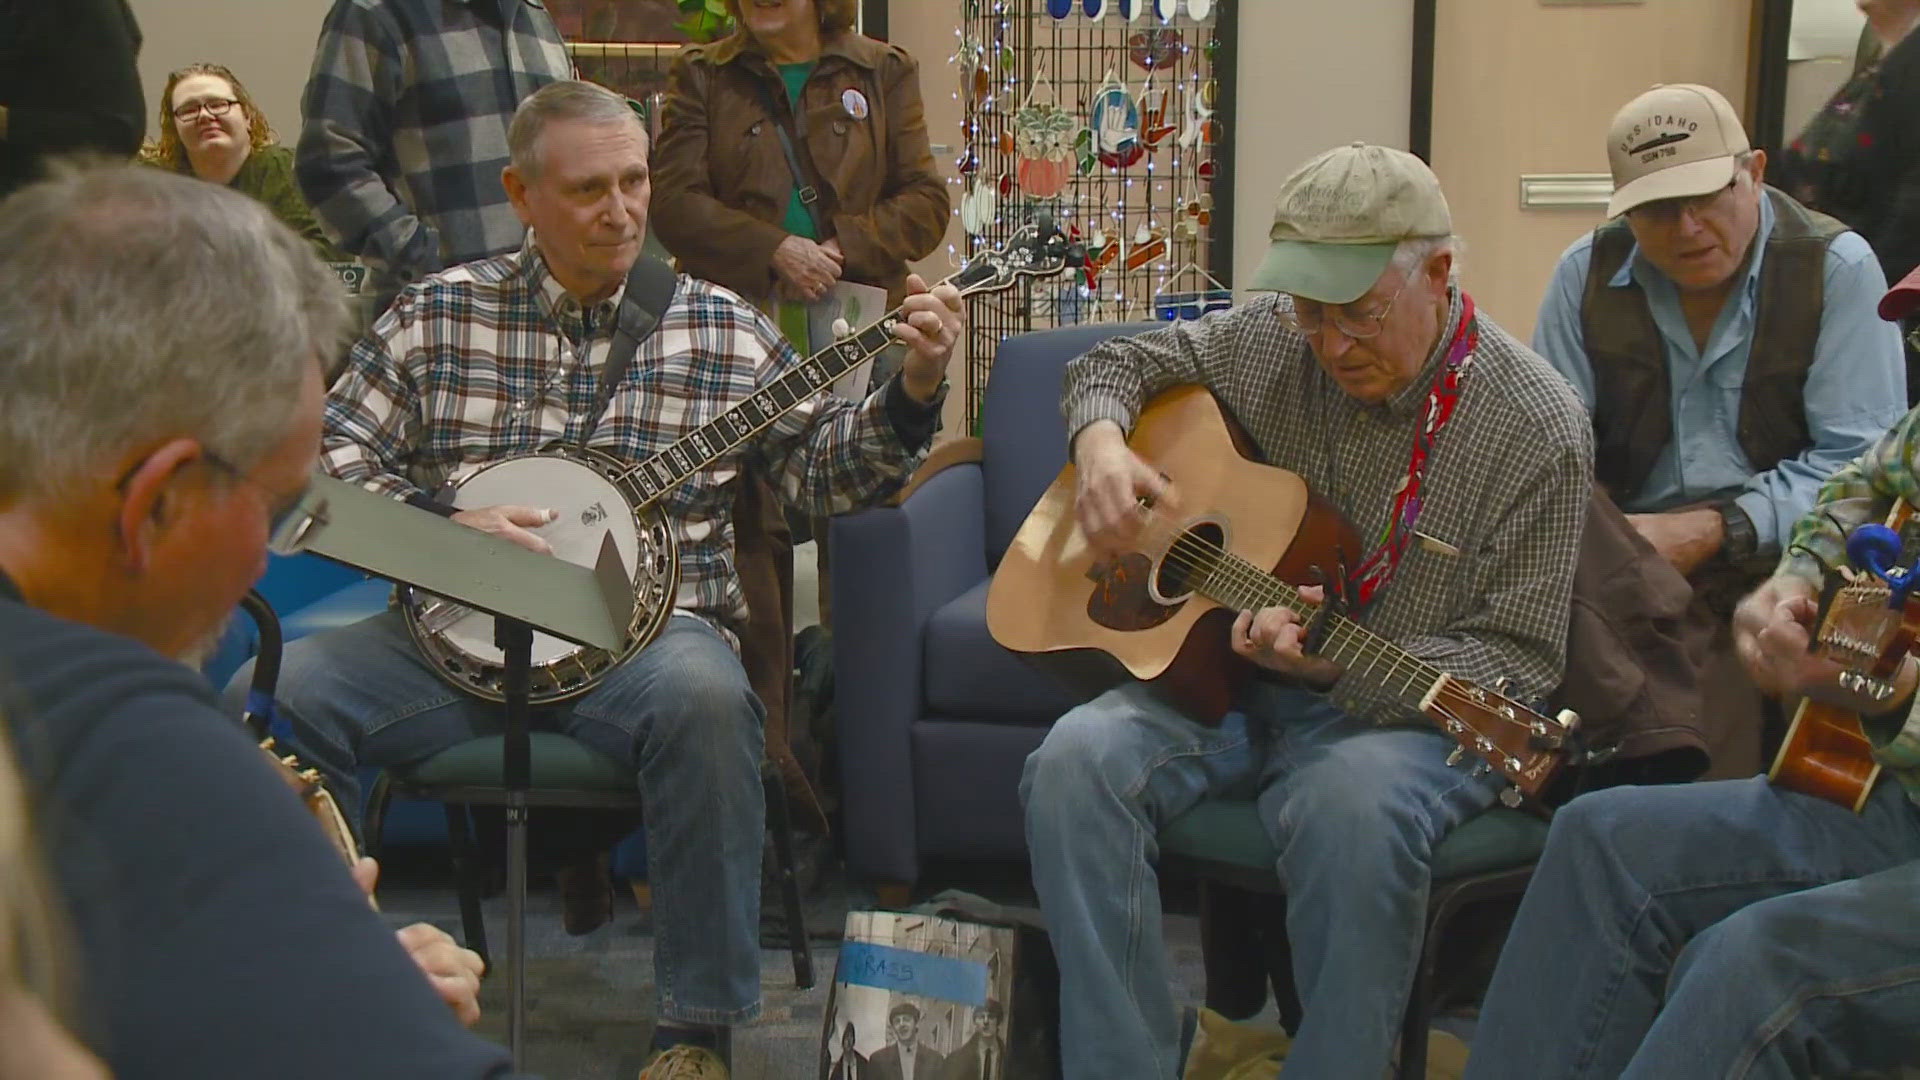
x=1517 y=742
x=1036 y=249
x=1861 y=629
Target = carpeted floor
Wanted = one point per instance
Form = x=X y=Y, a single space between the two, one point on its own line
x=590 y=999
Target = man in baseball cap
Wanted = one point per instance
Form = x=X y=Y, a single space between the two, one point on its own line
x=1342 y=216
x=1368 y=372
x=1724 y=340
x=1737 y=928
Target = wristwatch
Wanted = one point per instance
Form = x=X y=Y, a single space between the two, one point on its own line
x=1739 y=540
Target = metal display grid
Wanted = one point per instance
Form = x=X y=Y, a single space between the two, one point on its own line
x=1009 y=49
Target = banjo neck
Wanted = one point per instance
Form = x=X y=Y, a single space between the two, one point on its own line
x=720 y=436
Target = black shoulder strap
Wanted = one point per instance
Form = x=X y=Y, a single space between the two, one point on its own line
x=802 y=179
x=650 y=288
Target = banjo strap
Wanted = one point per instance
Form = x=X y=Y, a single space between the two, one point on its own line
x=650 y=288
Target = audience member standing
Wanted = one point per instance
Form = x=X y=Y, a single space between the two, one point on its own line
x=1858 y=159
x=68 y=82
x=406 y=128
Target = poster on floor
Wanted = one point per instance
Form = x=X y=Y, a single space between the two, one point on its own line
x=917 y=997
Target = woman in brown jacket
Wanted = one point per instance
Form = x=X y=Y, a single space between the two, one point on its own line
x=726 y=202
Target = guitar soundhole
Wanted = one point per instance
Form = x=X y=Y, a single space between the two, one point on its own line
x=1120 y=598
x=1188 y=559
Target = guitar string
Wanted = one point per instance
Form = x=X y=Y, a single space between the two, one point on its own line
x=1201 y=559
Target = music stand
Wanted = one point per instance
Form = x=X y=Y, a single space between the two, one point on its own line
x=523 y=591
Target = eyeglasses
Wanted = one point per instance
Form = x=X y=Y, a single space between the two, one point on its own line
x=290 y=526
x=1310 y=317
x=216 y=107
x=1668 y=211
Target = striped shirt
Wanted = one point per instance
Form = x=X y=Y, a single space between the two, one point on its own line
x=406 y=115
x=494 y=358
x=1506 y=488
x=1864 y=490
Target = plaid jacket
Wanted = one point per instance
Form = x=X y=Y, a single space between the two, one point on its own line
x=405 y=133
x=1486 y=597
x=494 y=358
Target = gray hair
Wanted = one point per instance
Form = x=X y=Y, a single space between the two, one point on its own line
x=1414 y=252
x=568 y=99
x=137 y=305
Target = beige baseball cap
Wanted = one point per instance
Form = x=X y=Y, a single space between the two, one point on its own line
x=1673 y=141
x=1340 y=217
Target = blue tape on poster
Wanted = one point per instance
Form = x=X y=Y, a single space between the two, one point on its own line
x=887 y=968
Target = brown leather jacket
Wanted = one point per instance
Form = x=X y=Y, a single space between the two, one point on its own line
x=721 y=183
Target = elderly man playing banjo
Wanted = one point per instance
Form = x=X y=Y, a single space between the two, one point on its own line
x=506 y=356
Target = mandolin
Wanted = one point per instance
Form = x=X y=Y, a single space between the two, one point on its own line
x=1868 y=631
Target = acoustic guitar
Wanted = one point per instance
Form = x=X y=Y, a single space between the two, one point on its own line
x=1826 y=754
x=1243 y=537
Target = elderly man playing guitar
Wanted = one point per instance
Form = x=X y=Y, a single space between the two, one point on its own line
x=1465 y=461
x=1744 y=928
x=509 y=356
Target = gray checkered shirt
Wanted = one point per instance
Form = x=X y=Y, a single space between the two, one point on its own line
x=406 y=127
x=1506 y=487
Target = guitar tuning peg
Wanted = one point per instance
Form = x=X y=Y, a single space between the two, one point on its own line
x=1511 y=798
x=1453 y=759
x=1502 y=685
x=1568 y=719
x=842 y=329
x=1480 y=769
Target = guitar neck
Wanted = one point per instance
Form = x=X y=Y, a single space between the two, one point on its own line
x=728 y=431
x=1363 y=654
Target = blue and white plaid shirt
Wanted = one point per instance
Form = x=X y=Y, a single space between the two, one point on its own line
x=494 y=358
x=406 y=115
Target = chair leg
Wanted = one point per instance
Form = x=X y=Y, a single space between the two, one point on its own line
x=466 y=876
x=779 y=821
x=374 y=821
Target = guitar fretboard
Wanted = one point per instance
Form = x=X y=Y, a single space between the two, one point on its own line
x=1238 y=584
x=720 y=436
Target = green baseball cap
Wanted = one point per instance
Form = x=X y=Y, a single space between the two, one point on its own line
x=1340 y=217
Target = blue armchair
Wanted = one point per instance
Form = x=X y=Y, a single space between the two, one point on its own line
x=934 y=719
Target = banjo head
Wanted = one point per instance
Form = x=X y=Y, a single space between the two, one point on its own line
x=581 y=486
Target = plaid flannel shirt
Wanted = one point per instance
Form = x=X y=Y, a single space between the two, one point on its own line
x=1506 y=489
x=494 y=358
x=1864 y=490
x=405 y=134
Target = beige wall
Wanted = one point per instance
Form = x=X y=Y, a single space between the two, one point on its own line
x=267 y=43
x=1314 y=74
x=1524 y=88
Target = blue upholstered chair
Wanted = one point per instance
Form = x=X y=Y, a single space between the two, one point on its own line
x=934 y=719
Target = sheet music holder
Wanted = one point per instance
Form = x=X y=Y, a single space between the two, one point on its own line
x=523 y=591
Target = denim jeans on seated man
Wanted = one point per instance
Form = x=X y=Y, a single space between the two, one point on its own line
x=1727 y=929
x=1354 y=808
x=680 y=712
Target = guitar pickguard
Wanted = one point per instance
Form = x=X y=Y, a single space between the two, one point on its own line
x=1121 y=599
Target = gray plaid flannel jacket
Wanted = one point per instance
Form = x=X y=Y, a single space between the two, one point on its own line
x=405 y=132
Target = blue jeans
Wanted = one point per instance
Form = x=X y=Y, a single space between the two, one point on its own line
x=1354 y=809
x=680 y=713
x=1725 y=929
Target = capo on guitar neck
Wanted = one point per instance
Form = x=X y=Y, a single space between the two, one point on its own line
x=1334 y=604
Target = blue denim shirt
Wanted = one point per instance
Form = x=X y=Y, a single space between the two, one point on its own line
x=1856 y=388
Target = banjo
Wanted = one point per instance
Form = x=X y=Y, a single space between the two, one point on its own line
x=598 y=496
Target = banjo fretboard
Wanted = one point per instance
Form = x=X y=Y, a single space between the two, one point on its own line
x=720 y=436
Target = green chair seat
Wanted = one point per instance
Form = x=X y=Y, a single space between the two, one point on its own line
x=558 y=763
x=1228 y=832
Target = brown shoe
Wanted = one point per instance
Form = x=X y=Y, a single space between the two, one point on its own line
x=586 y=893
